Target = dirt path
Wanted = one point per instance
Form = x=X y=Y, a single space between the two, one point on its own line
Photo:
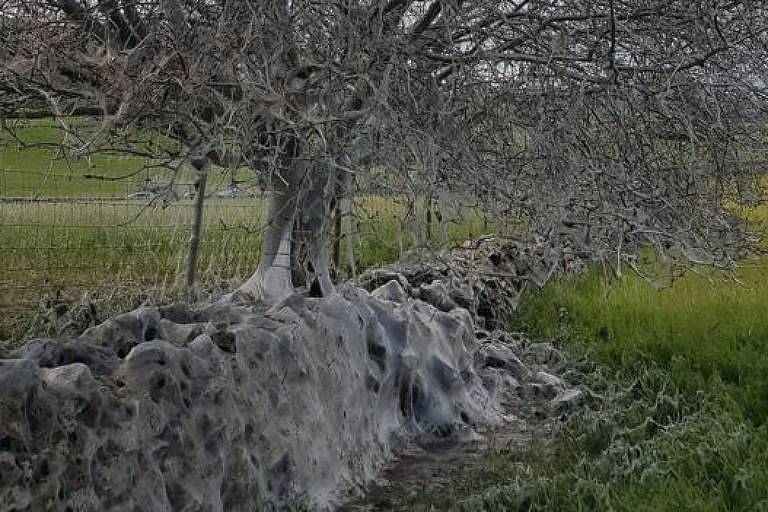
x=423 y=476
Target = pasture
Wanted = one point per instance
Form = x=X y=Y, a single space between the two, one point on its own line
x=71 y=230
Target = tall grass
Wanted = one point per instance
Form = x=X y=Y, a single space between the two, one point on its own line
x=703 y=329
x=676 y=416
x=62 y=251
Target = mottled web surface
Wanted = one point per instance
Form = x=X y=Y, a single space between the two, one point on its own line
x=239 y=407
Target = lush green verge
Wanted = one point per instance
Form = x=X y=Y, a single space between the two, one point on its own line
x=710 y=333
x=637 y=445
x=676 y=401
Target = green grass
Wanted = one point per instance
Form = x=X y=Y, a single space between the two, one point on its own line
x=639 y=445
x=83 y=237
x=702 y=329
x=31 y=165
x=676 y=412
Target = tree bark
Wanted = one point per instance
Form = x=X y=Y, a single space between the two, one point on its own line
x=272 y=279
x=313 y=219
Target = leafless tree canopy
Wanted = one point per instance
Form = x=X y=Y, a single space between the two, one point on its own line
x=597 y=125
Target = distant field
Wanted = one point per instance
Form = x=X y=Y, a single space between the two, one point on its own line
x=67 y=227
x=33 y=166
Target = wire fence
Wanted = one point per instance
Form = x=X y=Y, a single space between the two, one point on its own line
x=109 y=239
x=119 y=226
x=68 y=233
x=105 y=226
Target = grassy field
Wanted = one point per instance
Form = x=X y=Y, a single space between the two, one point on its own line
x=32 y=166
x=703 y=329
x=59 y=252
x=67 y=229
x=679 y=413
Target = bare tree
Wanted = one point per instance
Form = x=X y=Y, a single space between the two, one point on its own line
x=600 y=125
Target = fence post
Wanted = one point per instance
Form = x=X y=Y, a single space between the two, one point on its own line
x=348 y=226
x=197 y=224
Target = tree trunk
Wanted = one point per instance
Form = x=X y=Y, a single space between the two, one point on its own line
x=348 y=226
x=272 y=279
x=429 y=218
x=313 y=219
x=337 y=238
